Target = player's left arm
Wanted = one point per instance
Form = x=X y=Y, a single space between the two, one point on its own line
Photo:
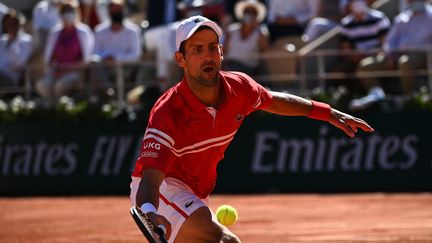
x=292 y=105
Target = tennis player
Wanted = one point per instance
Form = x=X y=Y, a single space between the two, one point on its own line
x=192 y=124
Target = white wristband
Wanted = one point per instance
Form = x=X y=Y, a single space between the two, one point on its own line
x=163 y=228
x=148 y=207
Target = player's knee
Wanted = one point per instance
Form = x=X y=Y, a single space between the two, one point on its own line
x=200 y=227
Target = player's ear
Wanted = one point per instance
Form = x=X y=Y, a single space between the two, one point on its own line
x=180 y=60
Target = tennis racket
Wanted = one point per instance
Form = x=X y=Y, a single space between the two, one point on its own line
x=152 y=233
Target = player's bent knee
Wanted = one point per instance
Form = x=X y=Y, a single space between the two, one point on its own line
x=200 y=227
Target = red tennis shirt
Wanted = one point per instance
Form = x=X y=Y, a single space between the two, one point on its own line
x=186 y=139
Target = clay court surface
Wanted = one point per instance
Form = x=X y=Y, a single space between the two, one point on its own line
x=309 y=218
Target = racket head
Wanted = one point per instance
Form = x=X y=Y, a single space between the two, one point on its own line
x=152 y=233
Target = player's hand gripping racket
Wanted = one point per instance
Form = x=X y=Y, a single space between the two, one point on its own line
x=152 y=233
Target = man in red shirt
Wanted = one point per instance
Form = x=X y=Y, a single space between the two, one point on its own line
x=191 y=125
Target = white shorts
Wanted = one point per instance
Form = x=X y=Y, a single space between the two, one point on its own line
x=176 y=202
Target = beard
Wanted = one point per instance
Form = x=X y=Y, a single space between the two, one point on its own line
x=208 y=75
x=208 y=81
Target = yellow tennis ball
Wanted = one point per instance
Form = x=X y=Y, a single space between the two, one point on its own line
x=226 y=215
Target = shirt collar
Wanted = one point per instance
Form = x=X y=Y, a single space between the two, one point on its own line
x=195 y=104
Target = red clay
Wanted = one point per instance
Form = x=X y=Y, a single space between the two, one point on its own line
x=340 y=218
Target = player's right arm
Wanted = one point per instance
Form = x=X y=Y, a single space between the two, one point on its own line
x=155 y=157
x=292 y=105
x=148 y=193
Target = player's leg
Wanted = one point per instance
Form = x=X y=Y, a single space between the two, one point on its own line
x=178 y=204
x=201 y=227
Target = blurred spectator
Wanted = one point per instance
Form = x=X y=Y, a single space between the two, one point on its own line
x=328 y=17
x=215 y=10
x=116 y=41
x=45 y=16
x=290 y=19
x=362 y=30
x=162 y=12
x=403 y=5
x=69 y=45
x=160 y=41
x=230 y=5
x=15 y=49
x=404 y=47
x=133 y=6
x=245 y=40
x=212 y=9
x=93 y=12
x=346 y=8
x=3 y=11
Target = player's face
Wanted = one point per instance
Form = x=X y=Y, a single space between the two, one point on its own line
x=202 y=59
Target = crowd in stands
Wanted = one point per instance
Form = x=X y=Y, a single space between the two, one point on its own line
x=15 y=48
x=82 y=41
x=68 y=43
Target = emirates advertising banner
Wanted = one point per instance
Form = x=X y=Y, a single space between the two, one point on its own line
x=67 y=159
x=280 y=154
x=269 y=154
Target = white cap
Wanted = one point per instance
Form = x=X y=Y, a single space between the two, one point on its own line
x=188 y=27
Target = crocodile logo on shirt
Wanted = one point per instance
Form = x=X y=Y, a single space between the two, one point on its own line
x=197 y=20
x=189 y=203
x=239 y=117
